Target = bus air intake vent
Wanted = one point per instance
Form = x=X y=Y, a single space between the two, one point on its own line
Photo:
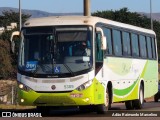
x=54 y=100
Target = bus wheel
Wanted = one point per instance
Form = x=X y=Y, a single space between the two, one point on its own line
x=156 y=97
x=138 y=104
x=129 y=105
x=103 y=108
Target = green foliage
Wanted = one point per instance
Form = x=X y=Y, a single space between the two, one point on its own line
x=7 y=34
x=123 y=15
x=6 y=69
x=8 y=60
x=8 y=17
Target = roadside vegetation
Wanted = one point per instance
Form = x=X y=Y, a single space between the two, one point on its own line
x=8 y=60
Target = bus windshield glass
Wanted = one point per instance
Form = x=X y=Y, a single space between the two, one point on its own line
x=56 y=50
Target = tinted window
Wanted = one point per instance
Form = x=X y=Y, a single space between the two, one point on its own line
x=126 y=44
x=143 y=46
x=117 y=43
x=149 y=48
x=107 y=33
x=134 y=42
x=153 y=48
x=99 y=52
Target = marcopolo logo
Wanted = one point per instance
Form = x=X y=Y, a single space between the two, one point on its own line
x=53 y=87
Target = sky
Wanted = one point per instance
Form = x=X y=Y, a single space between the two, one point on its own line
x=70 y=6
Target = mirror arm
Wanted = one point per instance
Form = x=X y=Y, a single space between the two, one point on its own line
x=103 y=38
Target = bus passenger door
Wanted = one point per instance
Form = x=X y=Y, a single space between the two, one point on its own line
x=98 y=53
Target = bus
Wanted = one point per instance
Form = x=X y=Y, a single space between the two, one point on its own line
x=121 y=64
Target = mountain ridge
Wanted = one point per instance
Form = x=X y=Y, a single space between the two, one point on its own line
x=39 y=13
x=36 y=13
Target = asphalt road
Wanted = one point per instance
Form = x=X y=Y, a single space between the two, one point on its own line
x=118 y=111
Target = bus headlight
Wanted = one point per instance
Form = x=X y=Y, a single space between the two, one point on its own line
x=24 y=87
x=84 y=86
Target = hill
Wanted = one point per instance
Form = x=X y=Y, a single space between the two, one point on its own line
x=38 y=13
x=156 y=16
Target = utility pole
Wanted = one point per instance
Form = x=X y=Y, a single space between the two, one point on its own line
x=20 y=16
x=86 y=7
x=151 y=14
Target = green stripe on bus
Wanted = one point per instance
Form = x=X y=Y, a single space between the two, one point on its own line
x=123 y=92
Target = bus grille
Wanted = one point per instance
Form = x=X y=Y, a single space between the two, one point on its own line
x=54 y=100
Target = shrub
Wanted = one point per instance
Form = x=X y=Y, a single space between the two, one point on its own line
x=6 y=69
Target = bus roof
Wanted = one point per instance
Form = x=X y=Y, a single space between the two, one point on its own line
x=80 y=20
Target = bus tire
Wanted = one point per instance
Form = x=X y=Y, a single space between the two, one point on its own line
x=110 y=95
x=156 y=97
x=138 y=104
x=129 y=105
x=103 y=108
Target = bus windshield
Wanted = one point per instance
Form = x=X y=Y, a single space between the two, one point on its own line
x=55 y=50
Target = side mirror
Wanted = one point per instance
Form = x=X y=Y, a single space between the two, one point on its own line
x=14 y=34
x=13 y=46
x=104 y=43
x=103 y=38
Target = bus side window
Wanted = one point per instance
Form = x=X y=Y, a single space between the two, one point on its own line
x=135 y=46
x=108 y=34
x=117 y=43
x=99 y=52
x=143 y=51
x=126 y=44
x=153 y=48
x=149 y=47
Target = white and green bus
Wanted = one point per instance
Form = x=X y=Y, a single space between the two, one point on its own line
x=118 y=63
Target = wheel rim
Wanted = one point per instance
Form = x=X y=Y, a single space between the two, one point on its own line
x=141 y=96
x=107 y=99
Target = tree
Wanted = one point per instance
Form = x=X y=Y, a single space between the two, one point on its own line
x=8 y=17
x=8 y=60
x=6 y=68
x=123 y=15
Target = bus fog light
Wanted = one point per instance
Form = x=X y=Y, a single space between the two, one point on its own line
x=22 y=100
x=87 y=99
x=24 y=87
x=21 y=86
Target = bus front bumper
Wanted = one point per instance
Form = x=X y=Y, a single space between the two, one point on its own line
x=91 y=96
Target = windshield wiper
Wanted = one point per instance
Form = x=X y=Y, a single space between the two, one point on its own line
x=72 y=73
x=44 y=68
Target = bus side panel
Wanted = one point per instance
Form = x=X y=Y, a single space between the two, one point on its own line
x=99 y=92
x=150 y=76
x=126 y=75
